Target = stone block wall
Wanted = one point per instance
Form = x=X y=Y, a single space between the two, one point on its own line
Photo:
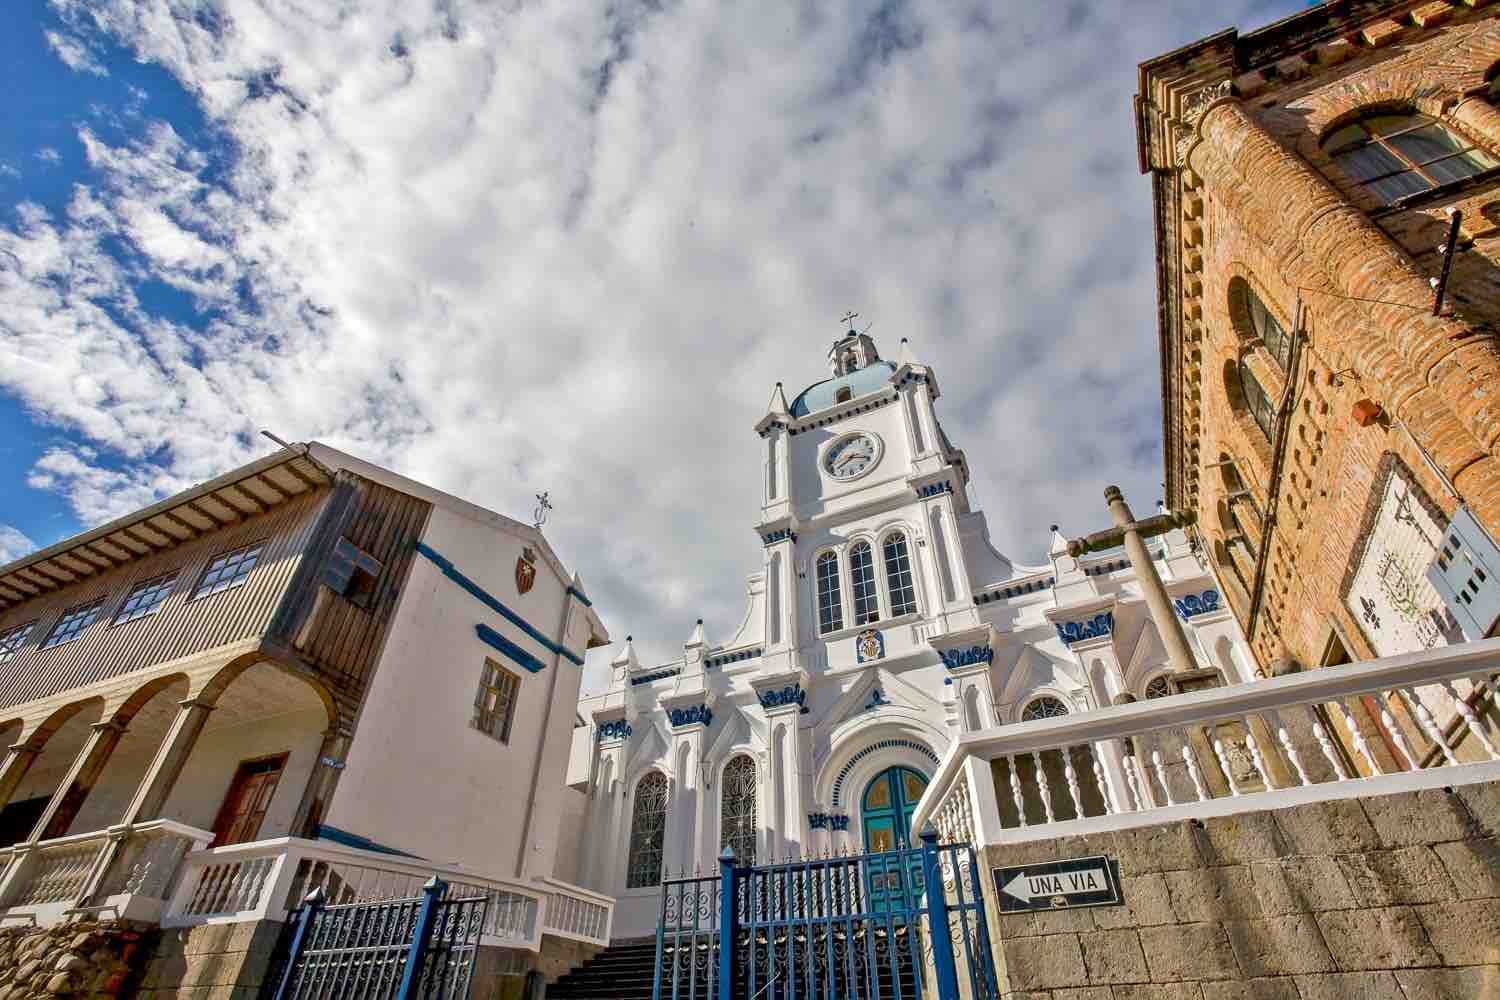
x=219 y=961
x=1394 y=897
x=82 y=959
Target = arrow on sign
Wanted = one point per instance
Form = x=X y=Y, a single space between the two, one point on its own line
x=1026 y=887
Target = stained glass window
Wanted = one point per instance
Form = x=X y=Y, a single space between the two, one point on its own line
x=11 y=640
x=898 y=578
x=737 y=826
x=830 y=603
x=1256 y=400
x=1158 y=687
x=72 y=623
x=1277 y=341
x=228 y=569
x=145 y=598
x=1393 y=156
x=862 y=575
x=648 y=832
x=1045 y=707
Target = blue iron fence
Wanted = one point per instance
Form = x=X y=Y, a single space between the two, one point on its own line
x=395 y=949
x=907 y=924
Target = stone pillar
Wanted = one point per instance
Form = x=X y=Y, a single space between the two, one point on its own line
x=18 y=760
x=151 y=796
x=1168 y=625
x=320 y=784
x=1302 y=219
x=75 y=785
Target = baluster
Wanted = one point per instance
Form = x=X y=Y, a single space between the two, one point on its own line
x=1426 y=721
x=1101 y=781
x=1041 y=783
x=1072 y=777
x=1133 y=783
x=1192 y=767
x=1015 y=789
x=1471 y=720
x=1161 y=776
x=1291 y=753
x=1397 y=736
x=1219 y=752
x=1257 y=759
x=1358 y=738
x=1328 y=750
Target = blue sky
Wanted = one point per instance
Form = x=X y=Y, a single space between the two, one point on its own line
x=571 y=247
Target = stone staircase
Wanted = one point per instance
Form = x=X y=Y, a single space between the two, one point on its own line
x=619 y=972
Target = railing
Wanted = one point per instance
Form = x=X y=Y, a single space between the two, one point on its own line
x=575 y=912
x=1420 y=720
x=126 y=870
x=269 y=879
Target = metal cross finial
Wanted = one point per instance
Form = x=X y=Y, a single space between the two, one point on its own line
x=848 y=318
x=539 y=515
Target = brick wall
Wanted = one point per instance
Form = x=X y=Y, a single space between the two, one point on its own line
x=1394 y=897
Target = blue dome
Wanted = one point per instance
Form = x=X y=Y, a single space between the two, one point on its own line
x=821 y=394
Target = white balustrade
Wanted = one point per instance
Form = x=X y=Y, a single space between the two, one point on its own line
x=577 y=913
x=1266 y=744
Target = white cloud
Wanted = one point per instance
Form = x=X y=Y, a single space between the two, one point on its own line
x=507 y=248
x=13 y=544
x=49 y=155
x=75 y=54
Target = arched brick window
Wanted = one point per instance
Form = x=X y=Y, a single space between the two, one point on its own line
x=1257 y=400
x=1396 y=155
x=1277 y=341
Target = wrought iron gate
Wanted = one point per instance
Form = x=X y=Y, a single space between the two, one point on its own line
x=862 y=927
x=402 y=949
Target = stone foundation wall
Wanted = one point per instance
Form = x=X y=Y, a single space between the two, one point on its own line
x=222 y=961
x=83 y=959
x=1394 y=897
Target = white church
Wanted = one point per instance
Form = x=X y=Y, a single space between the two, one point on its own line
x=881 y=626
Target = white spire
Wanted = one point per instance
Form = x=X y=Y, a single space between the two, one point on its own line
x=696 y=639
x=1059 y=543
x=626 y=658
x=777 y=405
x=904 y=356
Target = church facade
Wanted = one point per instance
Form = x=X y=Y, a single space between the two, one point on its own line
x=881 y=627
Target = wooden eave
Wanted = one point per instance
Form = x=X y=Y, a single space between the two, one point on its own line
x=246 y=492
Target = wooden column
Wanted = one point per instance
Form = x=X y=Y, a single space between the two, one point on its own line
x=320 y=784
x=167 y=765
x=75 y=785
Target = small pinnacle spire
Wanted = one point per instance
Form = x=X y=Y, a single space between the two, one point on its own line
x=696 y=639
x=1059 y=545
x=778 y=405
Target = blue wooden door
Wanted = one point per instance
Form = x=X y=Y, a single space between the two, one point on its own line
x=889 y=801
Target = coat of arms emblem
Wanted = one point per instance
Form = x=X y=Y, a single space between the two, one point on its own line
x=525 y=570
x=869 y=645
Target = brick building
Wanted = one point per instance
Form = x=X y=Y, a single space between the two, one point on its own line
x=1335 y=432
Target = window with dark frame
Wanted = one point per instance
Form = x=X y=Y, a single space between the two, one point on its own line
x=1276 y=340
x=1257 y=401
x=495 y=702
x=1045 y=707
x=13 y=639
x=862 y=579
x=898 y=578
x=830 y=600
x=145 y=598
x=648 y=832
x=843 y=395
x=72 y=623
x=737 y=822
x=1396 y=155
x=351 y=573
x=228 y=570
x=1158 y=687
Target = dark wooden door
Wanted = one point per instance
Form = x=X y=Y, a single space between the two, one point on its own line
x=248 y=799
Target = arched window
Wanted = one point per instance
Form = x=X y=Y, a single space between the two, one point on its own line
x=1256 y=400
x=737 y=809
x=1395 y=155
x=1158 y=687
x=1045 y=707
x=830 y=602
x=1277 y=341
x=862 y=575
x=843 y=395
x=648 y=832
x=898 y=579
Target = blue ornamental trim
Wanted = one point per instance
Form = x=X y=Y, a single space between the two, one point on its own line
x=955 y=658
x=792 y=694
x=1016 y=590
x=494 y=639
x=489 y=601
x=580 y=595
x=719 y=661
x=838 y=783
x=1096 y=627
x=690 y=715
x=935 y=489
x=1193 y=605
x=780 y=535
x=817 y=821
x=325 y=832
x=877 y=700
x=839 y=822
x=619 y=729
x=657 y=676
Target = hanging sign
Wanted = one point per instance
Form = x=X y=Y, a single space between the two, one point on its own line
x=1056 y=885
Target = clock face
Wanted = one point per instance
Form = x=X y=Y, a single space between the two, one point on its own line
x=852 y=456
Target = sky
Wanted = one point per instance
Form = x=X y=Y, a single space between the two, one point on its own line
x=518 y=245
